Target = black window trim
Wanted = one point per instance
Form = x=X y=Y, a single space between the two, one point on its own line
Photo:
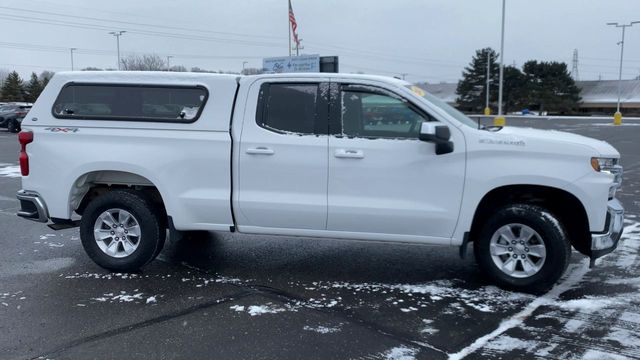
x=336 y=128
x=125 y=118
x=322 y=107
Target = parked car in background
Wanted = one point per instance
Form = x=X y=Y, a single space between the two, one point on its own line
x=11 y=116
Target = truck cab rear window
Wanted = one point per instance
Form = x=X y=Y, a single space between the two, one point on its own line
x=130 y=102
x=289 y=108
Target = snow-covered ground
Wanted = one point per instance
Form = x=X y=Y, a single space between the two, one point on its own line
x=591 y=313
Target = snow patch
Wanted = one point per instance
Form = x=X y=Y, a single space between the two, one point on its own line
x=257 y=310
x=508 y=343
x=573 y=277
x=321 y=329
x=108 y=276
x=546 y=351
x=588 y=304
x=624 y=337
x=428 y=329
x=599 y=355
x=122 y=297
x=401 y=353
x=630 y=317
x=409 y=309
x=573 y=325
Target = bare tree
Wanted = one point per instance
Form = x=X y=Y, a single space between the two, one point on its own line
x=45 y=76
x=145 y=62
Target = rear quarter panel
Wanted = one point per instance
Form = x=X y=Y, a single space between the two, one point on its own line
x=188 y=163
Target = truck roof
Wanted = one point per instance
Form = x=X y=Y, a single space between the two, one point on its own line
x=182 y=77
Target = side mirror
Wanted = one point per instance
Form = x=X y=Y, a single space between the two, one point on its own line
x=437 y=134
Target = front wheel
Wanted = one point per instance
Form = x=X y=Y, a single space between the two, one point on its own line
x=121 y=230
x=523 y=247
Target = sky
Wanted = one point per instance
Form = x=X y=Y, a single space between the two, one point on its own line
x=426 y=40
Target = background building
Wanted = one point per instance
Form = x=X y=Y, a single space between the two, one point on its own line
x=599 y=97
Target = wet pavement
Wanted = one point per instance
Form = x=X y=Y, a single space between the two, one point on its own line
x=234 y=296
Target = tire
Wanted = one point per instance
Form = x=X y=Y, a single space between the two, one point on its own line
x=537 y=259
x=136 y=246
x=13 y=126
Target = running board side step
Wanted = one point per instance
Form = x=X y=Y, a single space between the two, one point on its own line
x=62 y=224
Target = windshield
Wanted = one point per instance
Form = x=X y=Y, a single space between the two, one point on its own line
x=444 y=106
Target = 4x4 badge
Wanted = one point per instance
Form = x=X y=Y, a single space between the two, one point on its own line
x=63 y=130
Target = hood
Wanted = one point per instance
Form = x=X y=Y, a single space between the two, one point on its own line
x=602 y=148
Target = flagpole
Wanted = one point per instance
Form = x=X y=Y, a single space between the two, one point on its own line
x=289 y=24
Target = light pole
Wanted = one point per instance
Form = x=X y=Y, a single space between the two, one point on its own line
x=71 y=50
x=617 y=117
x=243 y=65
x=487 y=109
x=117 y=34
x=169 y=62
x=500 y=121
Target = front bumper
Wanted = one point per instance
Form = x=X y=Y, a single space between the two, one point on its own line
x=607 y=241
x=32 y=206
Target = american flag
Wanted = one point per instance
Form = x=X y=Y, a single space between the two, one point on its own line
x=294 y=25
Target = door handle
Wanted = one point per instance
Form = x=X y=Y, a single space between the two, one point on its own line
x=349 y=154
x=260 y=150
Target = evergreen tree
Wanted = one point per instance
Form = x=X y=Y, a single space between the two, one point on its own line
x=12 y=88
x=514 y=92
x=472 y=89
x=33 y=89
x=550 y=87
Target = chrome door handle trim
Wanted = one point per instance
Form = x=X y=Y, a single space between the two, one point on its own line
x=260 y=150
x=349 y=154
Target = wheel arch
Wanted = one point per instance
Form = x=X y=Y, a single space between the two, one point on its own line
x=91 y=184
x=563 y=204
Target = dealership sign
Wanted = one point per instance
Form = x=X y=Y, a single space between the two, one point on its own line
x=286 y=64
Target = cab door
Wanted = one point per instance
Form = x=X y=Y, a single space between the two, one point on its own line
x=282 y=156
x=384 y=181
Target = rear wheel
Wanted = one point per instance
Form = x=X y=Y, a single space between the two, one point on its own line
x=122 y=231
x=523 y=247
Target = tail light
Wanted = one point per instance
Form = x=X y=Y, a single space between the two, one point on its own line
x=24 y=137
x=21 y=113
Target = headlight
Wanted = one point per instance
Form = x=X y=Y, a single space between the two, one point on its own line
x=609 y=165
x=603 y=164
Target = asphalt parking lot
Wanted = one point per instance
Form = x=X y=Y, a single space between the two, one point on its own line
x=229 y=296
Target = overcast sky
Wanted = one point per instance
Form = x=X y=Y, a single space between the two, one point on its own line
x=429 y=40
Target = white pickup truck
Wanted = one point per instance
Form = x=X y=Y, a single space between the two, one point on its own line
x=130 y=155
